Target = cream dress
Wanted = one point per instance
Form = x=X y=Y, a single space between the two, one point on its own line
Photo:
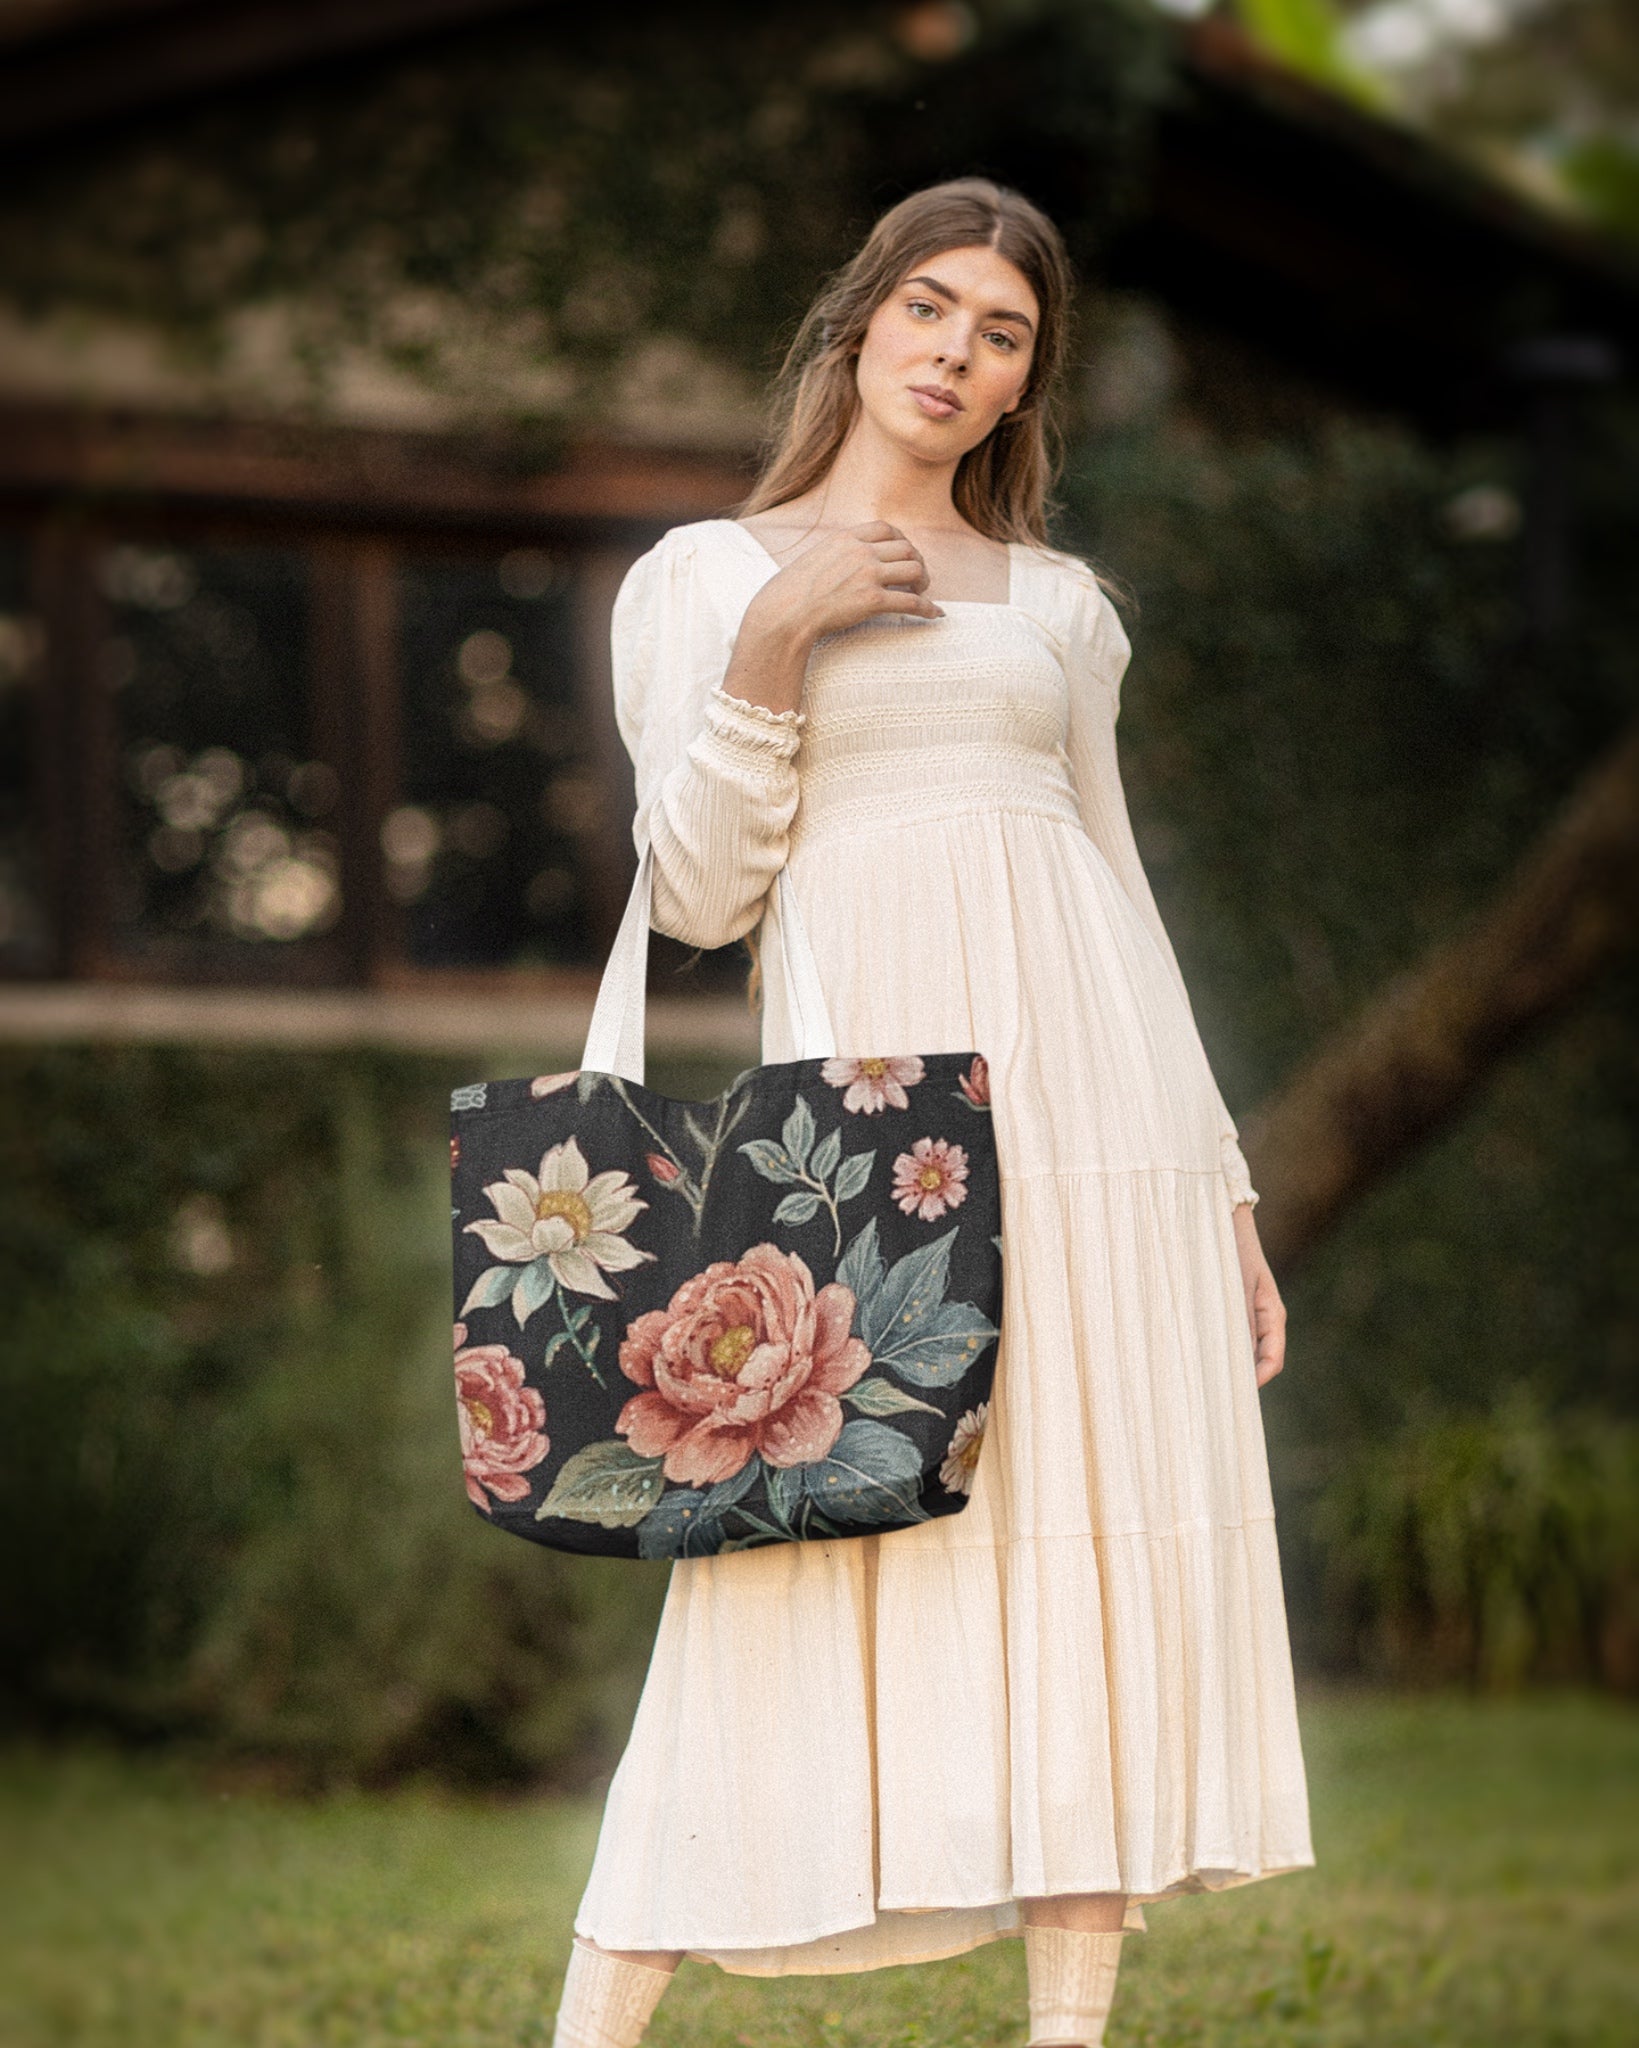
x=867 y=1751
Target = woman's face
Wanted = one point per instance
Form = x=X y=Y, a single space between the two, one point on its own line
x=948 y=352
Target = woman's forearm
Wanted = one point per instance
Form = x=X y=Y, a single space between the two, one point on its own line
x=720 y=820
x=770 y=657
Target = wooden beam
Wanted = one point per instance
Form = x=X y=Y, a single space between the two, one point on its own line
x=355 y=476
x=75 y=66
x=544 y=1017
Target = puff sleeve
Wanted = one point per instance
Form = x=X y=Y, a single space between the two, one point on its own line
x=716 y=776
x=1096 y=654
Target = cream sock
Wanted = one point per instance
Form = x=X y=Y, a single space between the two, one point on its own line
x=1072 y=1984
x=606 y=2000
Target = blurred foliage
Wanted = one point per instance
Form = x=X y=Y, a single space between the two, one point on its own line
x=1337 y=734
x=1540 y=94
x=1307 y=35
x=1603 y=172
x=233 y=1465
x=1337 y=738
x=1490 y=1547
x=546 y=189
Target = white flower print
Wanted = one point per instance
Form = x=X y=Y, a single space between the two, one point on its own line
x=962 y=1457
x=567 y=1216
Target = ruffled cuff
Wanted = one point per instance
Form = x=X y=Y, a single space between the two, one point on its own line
x=1237 y=1178
x=754 y=725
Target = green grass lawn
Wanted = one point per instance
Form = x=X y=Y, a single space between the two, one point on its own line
x=1478 y=1884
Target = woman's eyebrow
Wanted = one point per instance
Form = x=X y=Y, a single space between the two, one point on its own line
x=996 y=313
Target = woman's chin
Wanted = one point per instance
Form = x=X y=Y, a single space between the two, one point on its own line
x=941 y=442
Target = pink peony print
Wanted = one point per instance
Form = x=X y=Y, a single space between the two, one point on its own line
x=549 y=1084
x=962 y=1458
x=975 y=1083
x=503 y=1422
x=930 y=1178
x=664 y=1170
x=873 y=1084
x=746 y=1357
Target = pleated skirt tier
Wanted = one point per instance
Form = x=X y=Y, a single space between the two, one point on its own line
x=868 y=1751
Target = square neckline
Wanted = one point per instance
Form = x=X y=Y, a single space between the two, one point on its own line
x=1009 y=603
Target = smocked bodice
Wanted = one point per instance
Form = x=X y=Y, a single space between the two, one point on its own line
x=1000 y=715
x=913 y=719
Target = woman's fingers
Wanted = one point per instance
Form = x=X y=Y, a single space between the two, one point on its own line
x=868 y=570
x=912 y=569
x=1269 y=1328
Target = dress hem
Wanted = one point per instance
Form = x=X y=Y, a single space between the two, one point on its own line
x=770 y=1959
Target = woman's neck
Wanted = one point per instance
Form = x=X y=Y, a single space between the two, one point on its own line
x=872 y=478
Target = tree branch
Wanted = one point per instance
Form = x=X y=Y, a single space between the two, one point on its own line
x=1384 y=1084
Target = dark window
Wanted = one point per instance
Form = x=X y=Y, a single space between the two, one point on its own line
x=500 y=796
x=227 y=851
x=24 y=934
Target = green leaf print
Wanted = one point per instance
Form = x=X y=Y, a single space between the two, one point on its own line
x=882 y=1397
x=607 y=1483
x=535 y=1285
x=491 y=1287
x=861 y=1266
x=911 y=1287
x=939 y=1346
x=872 y=1475
x=798 y=1131
x=770 y=1160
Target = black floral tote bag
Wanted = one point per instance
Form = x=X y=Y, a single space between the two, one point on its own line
x=691 y=1327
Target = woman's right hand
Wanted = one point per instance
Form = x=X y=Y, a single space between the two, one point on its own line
x=861 y=573
x=844 y=579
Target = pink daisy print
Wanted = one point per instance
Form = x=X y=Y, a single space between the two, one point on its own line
x=930 y=1178
x=874 y=1084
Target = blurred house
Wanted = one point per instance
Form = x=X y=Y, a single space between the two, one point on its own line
x=305 y=728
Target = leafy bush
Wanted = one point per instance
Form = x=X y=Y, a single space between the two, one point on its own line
x=1492 y=1547
x=1337 y=739
x=233 y=1464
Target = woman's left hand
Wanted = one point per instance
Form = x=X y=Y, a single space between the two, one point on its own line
x=1265 y=1311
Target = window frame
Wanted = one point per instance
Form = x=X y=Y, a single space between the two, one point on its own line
x=355 y=501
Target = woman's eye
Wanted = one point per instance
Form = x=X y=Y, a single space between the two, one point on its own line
x=923 y=306
x=1001 y=334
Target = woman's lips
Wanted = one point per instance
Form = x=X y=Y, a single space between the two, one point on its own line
x=934 y=403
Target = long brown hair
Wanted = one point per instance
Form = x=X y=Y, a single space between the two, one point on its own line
x=1001 y=486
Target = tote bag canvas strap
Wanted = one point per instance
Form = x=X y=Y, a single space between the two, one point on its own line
x=614 y=1041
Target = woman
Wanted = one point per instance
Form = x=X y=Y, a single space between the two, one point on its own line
x=1077 y=1693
